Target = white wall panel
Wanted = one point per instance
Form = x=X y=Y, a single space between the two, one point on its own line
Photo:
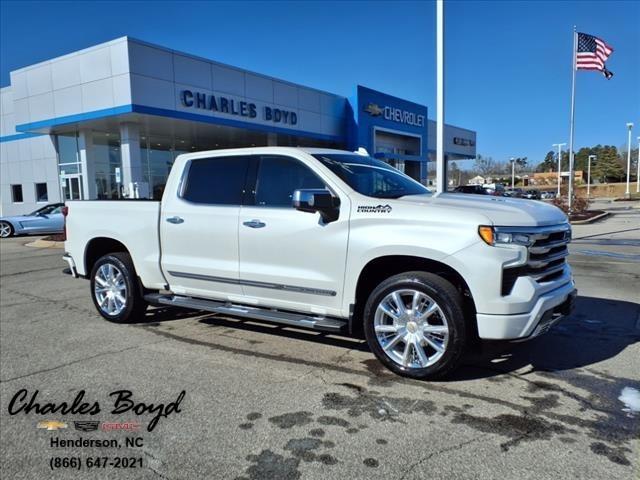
x=36 y=147
x=48 y=146
x=191 y=71
x=26 y=177
x=19 y=84
x=39 y=80
x=12 y=153
x=121 y=90
x=152 y=92
x=332 y=125
x=67 y=101
x=15 y=177
x=97 y=95
x=309 y=121
x=41 y=107
x=40 y=171
x=150 y=61
x=24 y=151
x=6 y=101
x=52 y=169
x=21 y=109
x=119 y=53
x=332 y=105
x=309 y=100
x=285 y=94
x=95 y=65
x=7 y=125
x=258 y=88
x=228 y=80
x=65 y=72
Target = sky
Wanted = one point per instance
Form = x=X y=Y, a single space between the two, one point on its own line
x=507 y=63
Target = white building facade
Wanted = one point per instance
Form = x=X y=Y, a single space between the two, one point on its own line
x=108 y=121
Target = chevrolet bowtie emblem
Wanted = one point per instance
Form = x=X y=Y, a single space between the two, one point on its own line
x=373 y=110
x=52 y=424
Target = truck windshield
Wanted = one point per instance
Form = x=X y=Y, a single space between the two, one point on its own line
x=371 y=177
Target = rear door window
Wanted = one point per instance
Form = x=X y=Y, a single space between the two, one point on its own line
x=216 y=181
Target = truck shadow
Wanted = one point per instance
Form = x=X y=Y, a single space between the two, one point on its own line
x=597 y=330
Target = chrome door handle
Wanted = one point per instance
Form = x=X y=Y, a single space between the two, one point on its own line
x=175 y=220
x=254 y=224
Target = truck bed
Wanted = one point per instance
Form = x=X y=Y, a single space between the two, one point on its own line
x=133 y=223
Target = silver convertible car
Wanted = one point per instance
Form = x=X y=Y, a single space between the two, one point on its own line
x=47 y=219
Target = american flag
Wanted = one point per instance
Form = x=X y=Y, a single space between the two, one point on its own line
x=592 y=53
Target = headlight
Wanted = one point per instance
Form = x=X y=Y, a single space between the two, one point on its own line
x=493 y=237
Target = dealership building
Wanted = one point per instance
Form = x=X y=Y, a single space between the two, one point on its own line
x=108 y=121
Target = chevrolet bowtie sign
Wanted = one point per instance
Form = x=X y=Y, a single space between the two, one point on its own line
x=395 y=115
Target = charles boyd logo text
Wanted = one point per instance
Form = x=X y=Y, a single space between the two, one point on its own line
x=23 y=402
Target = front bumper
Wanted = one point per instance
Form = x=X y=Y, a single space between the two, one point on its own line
x=548 y=310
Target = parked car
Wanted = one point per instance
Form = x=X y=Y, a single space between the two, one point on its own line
x=532 y=195
x=514 y=192
x=333 y=241
x=47 y=219
x=474 y=189
x=548 y=195
x=495 y=189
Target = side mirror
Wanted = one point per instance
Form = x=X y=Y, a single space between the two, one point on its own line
x=317 y=200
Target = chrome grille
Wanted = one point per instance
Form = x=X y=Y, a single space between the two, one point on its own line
x=548 y=252
x=547 y=255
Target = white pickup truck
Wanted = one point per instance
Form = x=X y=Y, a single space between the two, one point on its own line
x=329 y=240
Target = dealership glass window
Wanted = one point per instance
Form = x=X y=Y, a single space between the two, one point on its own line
x=216 y=181
x=41 y=193
x=107 y=158
x=16 y=194
x=68 y=153
x=157 y=156
x=278 y=177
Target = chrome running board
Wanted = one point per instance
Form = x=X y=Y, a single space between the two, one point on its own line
x=302 y=320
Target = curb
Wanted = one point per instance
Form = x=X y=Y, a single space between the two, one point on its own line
x=44 y=244
x=590 y=220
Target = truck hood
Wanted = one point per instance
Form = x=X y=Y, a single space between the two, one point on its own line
x=501 y=211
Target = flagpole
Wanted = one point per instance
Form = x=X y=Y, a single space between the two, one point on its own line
x=573 y=105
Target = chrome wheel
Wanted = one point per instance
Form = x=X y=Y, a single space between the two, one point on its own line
x=411 y=328
x=5 y=230
x=110 y=289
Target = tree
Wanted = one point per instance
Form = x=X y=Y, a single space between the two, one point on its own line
x=549 y=164
x=485 y=165
x=607 y=166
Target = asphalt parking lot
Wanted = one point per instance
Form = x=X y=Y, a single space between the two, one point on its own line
x=267 y=402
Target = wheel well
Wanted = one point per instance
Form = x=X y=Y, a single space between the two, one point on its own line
x=379 y=269
x=99 y=247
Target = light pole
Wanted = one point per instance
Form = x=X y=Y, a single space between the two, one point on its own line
x=441 y=160
x=513 y=173
x=559 y=145
x=638 y=169
x=589 y=174
x=629 y=126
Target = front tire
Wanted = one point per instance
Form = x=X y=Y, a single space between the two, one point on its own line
x=115 y=290
x=415 y=325
x=6 y=230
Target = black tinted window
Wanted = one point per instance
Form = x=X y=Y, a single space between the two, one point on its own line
x=218 y=181
x=278 y=177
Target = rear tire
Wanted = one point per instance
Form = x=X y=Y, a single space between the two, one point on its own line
x=115 y=289
x=415 y=325
x=6 y=230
